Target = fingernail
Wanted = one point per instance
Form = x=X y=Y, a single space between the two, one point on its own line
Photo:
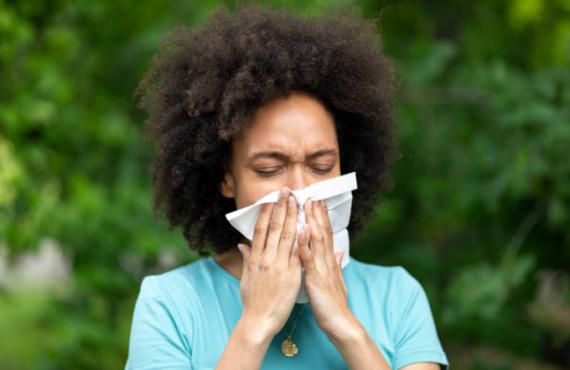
x=284 y=191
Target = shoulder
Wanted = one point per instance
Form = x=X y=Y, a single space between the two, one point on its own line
x=177 y=288
x=400 y=302
x=181 y=275
x=162 y=329
x=395 y=278
x=388 y=290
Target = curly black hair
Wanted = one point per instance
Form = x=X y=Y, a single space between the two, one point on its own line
x=205 y=84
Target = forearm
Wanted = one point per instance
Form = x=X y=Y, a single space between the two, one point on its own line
x=358 y=349
x=246 y=346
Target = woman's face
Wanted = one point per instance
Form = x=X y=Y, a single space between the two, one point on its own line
x=291 y=142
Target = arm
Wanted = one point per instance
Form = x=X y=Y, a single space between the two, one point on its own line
x=157 y=343
x=246 y=346
x=270 y=280
x=329 y=294
x=361 y=352
x=415 y=337
x=358 y=349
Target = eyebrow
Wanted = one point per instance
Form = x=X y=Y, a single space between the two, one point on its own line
x=284 y=157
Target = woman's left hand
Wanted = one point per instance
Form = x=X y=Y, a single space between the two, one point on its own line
x=323 y=274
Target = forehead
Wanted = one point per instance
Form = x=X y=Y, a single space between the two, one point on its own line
x=293 y=124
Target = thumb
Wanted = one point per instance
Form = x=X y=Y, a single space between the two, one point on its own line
x=245 y=250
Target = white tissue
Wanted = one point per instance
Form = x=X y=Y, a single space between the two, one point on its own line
x=337 y=194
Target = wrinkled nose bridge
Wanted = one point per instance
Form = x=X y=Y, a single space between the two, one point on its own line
x=301 y=195
x=298 y=180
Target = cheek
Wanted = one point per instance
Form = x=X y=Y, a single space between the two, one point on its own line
x=250 y=193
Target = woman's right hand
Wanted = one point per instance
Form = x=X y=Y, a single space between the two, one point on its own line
x=271 y=273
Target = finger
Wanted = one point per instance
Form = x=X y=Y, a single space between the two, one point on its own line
x=340 y=275
x=260 y=231
x=322 y=216
x=338 y=258
x=316 y=240
x=295 y=257
x=276 y=225
x=304 y=251
x=245 y=251
x=289 y=231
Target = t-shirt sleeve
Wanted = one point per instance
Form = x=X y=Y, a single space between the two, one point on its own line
x=416 y=339
x=155 y=340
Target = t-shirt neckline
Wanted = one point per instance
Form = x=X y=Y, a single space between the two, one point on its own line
x=222 y=272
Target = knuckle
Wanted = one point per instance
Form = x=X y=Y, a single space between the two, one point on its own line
x=293 y=207
x=318 y=237
x=259 y=228
x=281 y=202
x=264 y=265
x=267 y=207
x=261 y=219
x=291 y=215
x=287 y=234
x=274 y=226
x=251 y=262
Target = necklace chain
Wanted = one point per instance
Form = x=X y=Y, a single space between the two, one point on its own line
x=295 y=322
x=288 y=348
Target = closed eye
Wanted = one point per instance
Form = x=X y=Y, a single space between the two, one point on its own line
x=323 y=170
x=268 y=173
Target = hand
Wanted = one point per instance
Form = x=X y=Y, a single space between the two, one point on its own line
x=271 y=274
x=323 y=274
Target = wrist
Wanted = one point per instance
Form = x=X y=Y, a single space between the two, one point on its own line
x=350 y=331
x=256 y=332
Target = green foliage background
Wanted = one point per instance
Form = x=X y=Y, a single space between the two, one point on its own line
x=480 y=210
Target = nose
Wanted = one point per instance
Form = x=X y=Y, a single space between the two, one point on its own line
x=297 y=179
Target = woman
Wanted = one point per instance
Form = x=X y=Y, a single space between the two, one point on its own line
x=250 y=103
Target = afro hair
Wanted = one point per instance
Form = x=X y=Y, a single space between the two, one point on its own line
x=205 y=84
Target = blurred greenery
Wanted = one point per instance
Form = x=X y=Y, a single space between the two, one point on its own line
x=480 y=210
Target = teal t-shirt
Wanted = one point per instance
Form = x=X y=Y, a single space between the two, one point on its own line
x=183 y=319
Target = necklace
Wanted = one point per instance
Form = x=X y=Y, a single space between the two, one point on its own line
x=288 y=348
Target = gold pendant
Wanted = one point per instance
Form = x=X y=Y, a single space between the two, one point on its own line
x=289 y=348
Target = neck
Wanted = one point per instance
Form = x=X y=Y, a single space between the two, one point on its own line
x=231 y=261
